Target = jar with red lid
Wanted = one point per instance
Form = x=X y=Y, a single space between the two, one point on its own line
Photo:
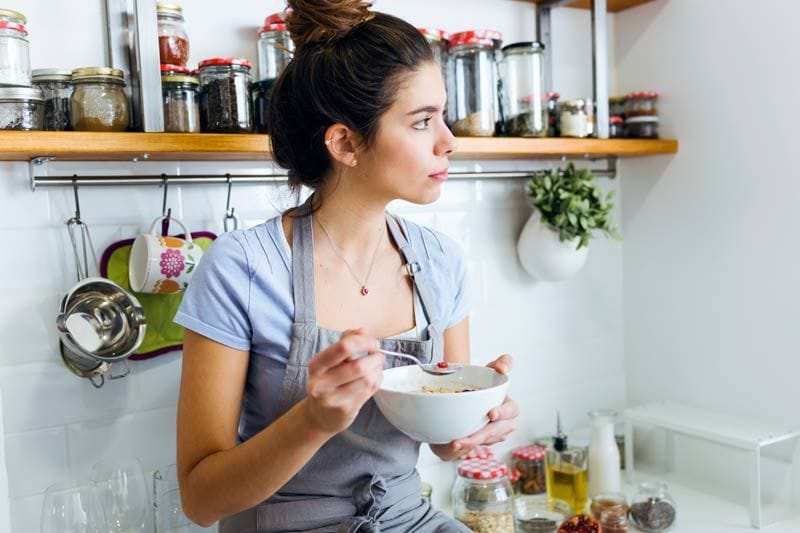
x=514 y=476
x=473 y=91
x=616 y=127
x=225 y=95
x=530 y=460
x=275 y=47
x=173 y=42
x=483 y=497
x=641 y=103
x=15 y=61
x=439 y=41
x=478 y=452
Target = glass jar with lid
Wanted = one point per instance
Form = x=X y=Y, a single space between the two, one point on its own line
x=652 y=509
x=181 y=103
x=641 y=103
x=13 y=16
x=614 y=520
x=173 y=42
x=472 y=101
x=482 y=496
x=275 y=47
x=530 y=461
x=56 y=87
x=98 y=100
x=439 y=41
x=553 y=115
x=21 y=108
x=573 y=120
x=499 y=105
x=616 y=129
x=616 y=106
x=643 y=127
x=225 y=95
x=15 y=60
x=522 y=72
x=539 y=513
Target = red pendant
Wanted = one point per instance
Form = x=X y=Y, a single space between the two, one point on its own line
x=364 y=291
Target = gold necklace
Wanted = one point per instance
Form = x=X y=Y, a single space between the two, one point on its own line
x=363 y=284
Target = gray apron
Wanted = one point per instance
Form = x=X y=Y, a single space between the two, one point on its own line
x=364 y=479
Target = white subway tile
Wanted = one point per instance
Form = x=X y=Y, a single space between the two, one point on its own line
x=34 y=258
x=27 y=325
x=22 y=208
x=26 y=514
x=36 y=460
x=156 y=381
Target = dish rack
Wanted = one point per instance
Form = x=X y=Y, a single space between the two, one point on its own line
x=743 y=434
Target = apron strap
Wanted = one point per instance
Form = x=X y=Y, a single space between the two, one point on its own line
x=368 y=496
x=414 y=269
x=303 y=265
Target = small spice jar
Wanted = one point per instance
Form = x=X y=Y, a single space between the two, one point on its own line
x=15 y=61
x=553 y=112
x=573 y=120
x=472 y=101
x=641 y=103
x=275 y=47
x=614 y=519
x=173 y=42
x=641 y=127
x=181 y=103
x=225 y=95
x=482 y=496
x=616 y=127
x=56 y=87
x=21 y=108
x=616 y=106
x=98 y=101
x=606 y=500
x=530 y=461
x=653 y=509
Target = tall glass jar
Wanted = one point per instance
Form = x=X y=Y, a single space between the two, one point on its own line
x=98 y=100
x=471 y=104
x=13 y=16
x=482 y=496
x=522 y=72
x=15 y=60
x=56 y=86
x=21 y=108
x=173 y=42
x=439 y=41
x=275 y=48
x=181 y=103
x=225 y=95
x=652 y=509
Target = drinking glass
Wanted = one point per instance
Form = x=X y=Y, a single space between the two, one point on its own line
x=123 y=492
x=73 y=507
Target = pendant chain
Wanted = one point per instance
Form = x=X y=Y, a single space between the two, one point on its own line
x=340 y=254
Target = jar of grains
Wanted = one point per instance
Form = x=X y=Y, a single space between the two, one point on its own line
x=98 y=100
x=472 y=101
x=482 y=496
x=56 y=87
x=225 y=95
x=173 y=42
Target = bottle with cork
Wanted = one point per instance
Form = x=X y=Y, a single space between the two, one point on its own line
x=567 y=477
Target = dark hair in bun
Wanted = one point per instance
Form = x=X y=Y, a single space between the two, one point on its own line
x=347 y=65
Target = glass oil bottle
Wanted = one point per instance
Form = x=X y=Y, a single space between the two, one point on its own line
x=567 y=477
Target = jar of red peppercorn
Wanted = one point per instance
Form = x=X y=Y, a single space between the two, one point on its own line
x=173 y=42
x=529 y=460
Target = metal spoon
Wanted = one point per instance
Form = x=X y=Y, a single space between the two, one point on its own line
x=428 y=368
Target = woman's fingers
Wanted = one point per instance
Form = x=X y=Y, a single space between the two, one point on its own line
x=502 y=364
x=351 y=343
x=509 y=409
x=491 y=433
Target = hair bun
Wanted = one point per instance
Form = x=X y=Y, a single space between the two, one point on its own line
x=324 y=21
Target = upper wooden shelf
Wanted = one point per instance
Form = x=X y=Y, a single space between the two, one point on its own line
x=94 y=146
x=613 y=6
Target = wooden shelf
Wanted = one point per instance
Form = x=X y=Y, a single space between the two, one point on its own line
x=614 y=6
x=94 y=146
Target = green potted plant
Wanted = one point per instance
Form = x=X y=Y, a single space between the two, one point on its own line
x=568 y=209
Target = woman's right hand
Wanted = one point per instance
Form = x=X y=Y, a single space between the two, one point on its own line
x=337 y=385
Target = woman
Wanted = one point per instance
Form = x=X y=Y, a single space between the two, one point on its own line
x=277 y=430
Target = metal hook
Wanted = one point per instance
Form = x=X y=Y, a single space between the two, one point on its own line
x=166 y=212
x=77 y=201
x=230 y=212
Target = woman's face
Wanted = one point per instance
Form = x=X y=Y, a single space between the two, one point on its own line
x=408 y=159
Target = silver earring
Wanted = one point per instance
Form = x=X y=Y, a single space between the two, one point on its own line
x=328 y=141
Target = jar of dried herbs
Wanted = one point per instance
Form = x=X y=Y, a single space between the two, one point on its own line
x=225 y=95
x=653 y=509
x=98 y=100
x=56 y=87
x=482 y=496
x=530 y=461
x=181 y=103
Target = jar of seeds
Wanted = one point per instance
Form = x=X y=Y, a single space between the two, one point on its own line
x=653 y=509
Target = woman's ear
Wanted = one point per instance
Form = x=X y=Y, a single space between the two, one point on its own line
x=341 y=143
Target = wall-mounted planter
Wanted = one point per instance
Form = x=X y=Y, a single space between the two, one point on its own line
x=544 y=256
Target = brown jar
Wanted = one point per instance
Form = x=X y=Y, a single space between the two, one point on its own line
x=173 y=42
x=530 y=461
x=98 y=100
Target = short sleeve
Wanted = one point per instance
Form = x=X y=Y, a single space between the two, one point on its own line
x=216 y=302
x=460 y=287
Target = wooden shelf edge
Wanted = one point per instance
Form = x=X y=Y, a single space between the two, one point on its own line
x=127 y=146
x=614 y=6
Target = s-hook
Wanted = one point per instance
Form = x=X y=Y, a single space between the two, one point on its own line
x=165 y=212
x=230 y=212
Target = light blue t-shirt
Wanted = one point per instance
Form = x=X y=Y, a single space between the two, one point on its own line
x=241 y=293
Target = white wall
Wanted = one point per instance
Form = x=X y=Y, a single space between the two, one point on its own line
x=567 y=338
x=710 y=255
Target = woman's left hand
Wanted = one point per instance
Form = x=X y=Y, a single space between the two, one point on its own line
x=502 y=421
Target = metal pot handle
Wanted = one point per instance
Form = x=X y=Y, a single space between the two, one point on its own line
x=118 y=376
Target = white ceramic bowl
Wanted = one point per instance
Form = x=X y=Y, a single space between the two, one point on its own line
x=442 y=417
